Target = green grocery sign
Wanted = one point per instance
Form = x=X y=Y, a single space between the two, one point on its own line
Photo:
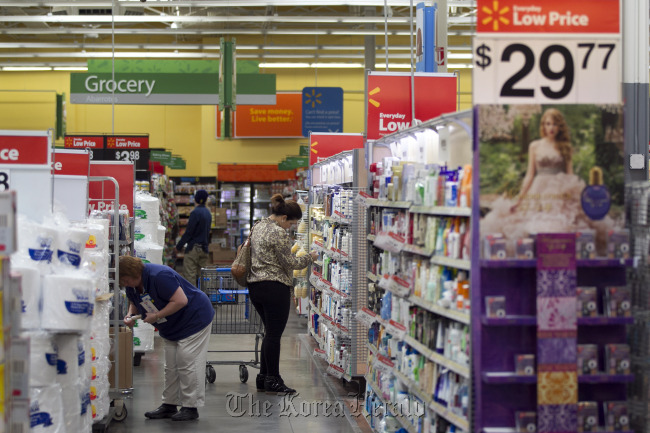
x=160 y=156
x=304 y=151
x=176 y=163
x=167 y=88
x=293 y=162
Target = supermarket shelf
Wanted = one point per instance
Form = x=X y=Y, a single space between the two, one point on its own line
x=511 y=377
x=437 y=358
x=442 y=210
x=445 y=312
x=316 y=233
x=416 y=250
x=388 y=203
x=581 y=263
x=450 y=416
x=452 y=263
x=532 y=321
x=508 y=377
x=316 y=337
x=408 y=427
x=318 y=262
x=314 y=307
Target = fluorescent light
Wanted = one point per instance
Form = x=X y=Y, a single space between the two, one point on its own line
x=25 y=68
x=337 y=65
x=460 y=56
x=284 y=65
x=70 y=68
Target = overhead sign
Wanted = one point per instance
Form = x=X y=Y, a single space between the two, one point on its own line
x=127 y=142
x=579 y=49
x=282 y=120
x=324 y=145
x=160 y=156
x=389 y=100
x=24 y=150
x=176 y=163
x=70 y=162
x=168 y=89
x=102 y=194
x=84 y=142
x=322 y=110
x=548 y=16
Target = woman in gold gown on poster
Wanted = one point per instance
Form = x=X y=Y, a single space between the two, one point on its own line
x=549 y=200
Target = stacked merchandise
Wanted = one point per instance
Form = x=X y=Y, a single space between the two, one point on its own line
x=163 y=188
x=149 y=233
x=301 y=289
x=60 y=282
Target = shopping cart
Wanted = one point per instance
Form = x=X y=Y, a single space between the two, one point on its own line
x=234 y=314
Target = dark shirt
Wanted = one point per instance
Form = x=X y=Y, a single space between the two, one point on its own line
x=198 y=229
x=160 y=283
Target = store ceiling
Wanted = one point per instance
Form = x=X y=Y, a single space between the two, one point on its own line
x=302 y=33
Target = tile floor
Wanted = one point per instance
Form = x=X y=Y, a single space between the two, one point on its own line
x=222 y=413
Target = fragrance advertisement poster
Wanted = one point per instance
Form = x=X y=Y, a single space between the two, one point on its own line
x=551 y=169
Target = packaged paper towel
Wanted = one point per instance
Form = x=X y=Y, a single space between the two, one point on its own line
x=46 y=410
x=97 y=234
x=71 y=243
x=71 y=358
x=38 y=240
x=31 y=295
x=146 y=230
x=42 y=359
x=68 y=302
x=71 y=402
x=146 y=207
x=149 y=252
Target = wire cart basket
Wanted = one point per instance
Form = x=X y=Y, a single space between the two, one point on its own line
x=234 y=314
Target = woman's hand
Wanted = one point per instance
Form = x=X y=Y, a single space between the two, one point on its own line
x=314 y=255
x=151 y=318
x=130 y=320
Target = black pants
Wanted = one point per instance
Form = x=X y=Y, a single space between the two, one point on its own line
x=272 y=300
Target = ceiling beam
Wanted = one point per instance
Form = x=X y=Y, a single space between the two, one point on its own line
x=218 y=3
x=209 y=32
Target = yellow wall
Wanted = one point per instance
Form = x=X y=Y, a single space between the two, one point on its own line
x=27 y=101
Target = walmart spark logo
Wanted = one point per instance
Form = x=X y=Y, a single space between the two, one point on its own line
x=313 y=98
x=372 y=93
x=495 y=16
x=314 y=144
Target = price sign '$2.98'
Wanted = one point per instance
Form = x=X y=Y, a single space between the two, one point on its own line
x=547 y=71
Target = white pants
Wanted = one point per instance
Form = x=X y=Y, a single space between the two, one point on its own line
x=185 y=369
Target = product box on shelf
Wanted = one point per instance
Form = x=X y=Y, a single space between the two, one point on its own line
x=616 y=417
x=586 y=244
x=617 y=358
x=526 y=248
x=125 y=368
x=587 y=359
x=220 y=220
x=587 y=301
x=618 y=244
x=525 y=364
x=220 y=254
x=618 y=301
x=525 y=422
x=495 y=306
x=494 y=247
x=587 y=416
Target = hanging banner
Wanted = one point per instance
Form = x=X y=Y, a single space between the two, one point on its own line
x=324 y=145
x=577 y=50
x=389 y=100
x=322 y=110
x=282 y=120
x=102 y=194
x=25 y=166
x=70 y=162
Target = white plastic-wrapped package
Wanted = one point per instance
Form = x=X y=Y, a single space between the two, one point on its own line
x=68 y=302
x=43 y=357
x=46 y=409
x=31 y=295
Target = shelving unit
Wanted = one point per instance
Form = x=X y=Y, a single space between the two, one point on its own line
x=337 y=227
x=397 y=247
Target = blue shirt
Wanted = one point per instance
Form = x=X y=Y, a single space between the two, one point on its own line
x=160 y=283
x=197 y=231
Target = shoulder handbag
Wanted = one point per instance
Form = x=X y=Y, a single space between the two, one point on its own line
x=241 y=266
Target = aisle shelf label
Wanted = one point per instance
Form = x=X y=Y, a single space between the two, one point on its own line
x=372 y=277
x=384 y=364
x=362 y=198
x=389 y=241
x=326 y=317
x=396 y=329
x=399 y=286
x=366 y=317
x=320 y=353
x=335 y=371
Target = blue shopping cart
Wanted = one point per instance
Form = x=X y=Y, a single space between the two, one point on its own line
x=234 y=314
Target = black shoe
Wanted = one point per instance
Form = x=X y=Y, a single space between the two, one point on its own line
x=275 y=385
x=164 y=411
x=259 y=382
x=186 y=414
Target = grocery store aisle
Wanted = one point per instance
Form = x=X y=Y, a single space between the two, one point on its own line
x=222 y=413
